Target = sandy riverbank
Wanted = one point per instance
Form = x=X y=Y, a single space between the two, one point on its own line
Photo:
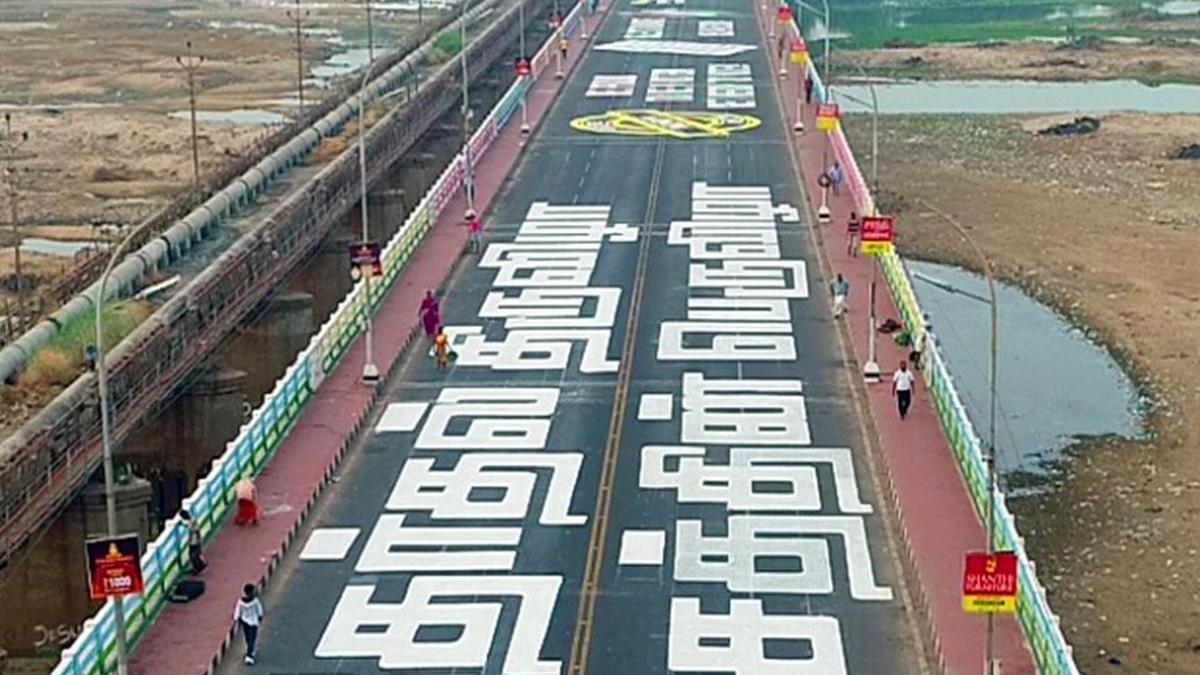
x=1105 y=228
x=1165 y=60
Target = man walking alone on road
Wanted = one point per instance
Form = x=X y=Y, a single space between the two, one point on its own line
x=902 y=387
x=195 y=542
x=808 y=89
x=249 y=613
x=835 y=177
x=840 y=289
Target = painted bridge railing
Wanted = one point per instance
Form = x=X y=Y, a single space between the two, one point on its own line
x=94 y=651
x=1040 y=625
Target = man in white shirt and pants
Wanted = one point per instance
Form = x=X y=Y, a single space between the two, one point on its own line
x=249 y=614
x=902 y=388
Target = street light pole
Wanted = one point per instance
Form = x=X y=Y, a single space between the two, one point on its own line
x=190 y=65
x=871 y=367
x=989 y=273
x=524 y=108
x=298 y=16
x=110 y=497
x=468 y=170
x=370 y=372
x=370 y=37
x=11 y=143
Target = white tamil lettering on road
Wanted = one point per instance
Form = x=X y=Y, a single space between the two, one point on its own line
x=671 y=85
x=714 y=28
x=447 y=622
x=646 y=28
x=464 y=510
x=734 y=247
x=737 y=642
x=730 y=86
x=678 y=47
x=612 y=86
x=545 y=300
x=792 y=512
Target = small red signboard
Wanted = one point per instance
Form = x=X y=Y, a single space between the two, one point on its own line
x=523 y=67
x=784 y=14
x=990 y=583
x=799 y=51
x=114 y=567
x=878 y=228
x=827 y=117
x=365 y=259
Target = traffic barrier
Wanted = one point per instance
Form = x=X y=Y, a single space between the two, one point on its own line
x=163 y=563
x=1043 y=634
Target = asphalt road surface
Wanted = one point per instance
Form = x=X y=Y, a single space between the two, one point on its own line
x=644 y=458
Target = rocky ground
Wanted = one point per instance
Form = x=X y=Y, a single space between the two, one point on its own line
x=1105 y=228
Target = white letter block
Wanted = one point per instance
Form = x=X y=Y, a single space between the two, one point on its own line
x=752 y=412
x=446 y=494
x=728 y=342
x=390 y=533
x=387 y=631
x=736 y=641
x=753 y=278
x=501 y=418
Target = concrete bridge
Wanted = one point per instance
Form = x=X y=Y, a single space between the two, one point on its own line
x=654 y=452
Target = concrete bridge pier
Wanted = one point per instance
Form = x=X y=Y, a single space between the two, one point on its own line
x=269 y=345
x=175 y=449
x=45 y=590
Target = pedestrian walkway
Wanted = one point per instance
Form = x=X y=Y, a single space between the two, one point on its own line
x=190 y=638
x=936 y=515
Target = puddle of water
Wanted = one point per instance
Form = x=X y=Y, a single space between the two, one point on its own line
x=1176 y=7
x=341 y=63
x=1053 y=385
x=22 y=26
x=1020 y=96
x=247 y=117
x=55 y=247
x=1081 y=12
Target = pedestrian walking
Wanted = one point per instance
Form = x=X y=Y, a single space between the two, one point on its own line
x=441 y=349
x=808 y=89
x=195 y=542
x=853 y=227
x=835 y=176
x=249 y=614
x=247 y=502
x=840 y=289
x=916 y=355
x=431 y=315
x=563 y=46
x=902 y=388
x=475 y=234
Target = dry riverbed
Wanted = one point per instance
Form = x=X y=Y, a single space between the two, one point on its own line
x=1105 y=228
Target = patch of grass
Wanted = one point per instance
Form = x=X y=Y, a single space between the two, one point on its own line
x=449 y=42
x=60 y=362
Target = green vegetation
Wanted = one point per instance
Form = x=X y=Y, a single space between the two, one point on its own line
x=449 y=42
x=875 y=24
x=59 y=362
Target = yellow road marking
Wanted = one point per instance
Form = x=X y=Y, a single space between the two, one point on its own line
x=682 y=125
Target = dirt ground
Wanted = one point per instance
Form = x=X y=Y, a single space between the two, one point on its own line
x=1106 y=229
x=93 y=83
x=1173 y=61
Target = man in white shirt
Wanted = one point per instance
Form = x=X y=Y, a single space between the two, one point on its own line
x=249 y=613
x=902 y=387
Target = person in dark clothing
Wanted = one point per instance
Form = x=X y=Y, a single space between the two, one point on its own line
x=195 y=542
x=808 y=89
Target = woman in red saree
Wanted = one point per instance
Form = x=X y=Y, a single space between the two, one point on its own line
x=431 y=316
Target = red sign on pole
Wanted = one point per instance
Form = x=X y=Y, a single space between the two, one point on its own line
x=878 y=228
x=523 y=67
x=365 y=260
x=990 y=583
x=114 y=567
x=784 y=14
x=827 y=117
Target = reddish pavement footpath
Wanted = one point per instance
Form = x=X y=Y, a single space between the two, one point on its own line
x=935 y=512
x=189 y=639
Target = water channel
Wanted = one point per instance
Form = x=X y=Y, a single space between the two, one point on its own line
x=1020 y=97
x=1054 y=384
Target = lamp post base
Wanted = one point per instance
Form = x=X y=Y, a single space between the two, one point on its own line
x=798 y=127
x=871 y=372
x=370 y=373
x=823 y=215
x=525 y=128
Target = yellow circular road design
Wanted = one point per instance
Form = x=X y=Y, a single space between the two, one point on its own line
x=674 y=124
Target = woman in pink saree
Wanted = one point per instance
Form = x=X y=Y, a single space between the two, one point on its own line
x=431 y=315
